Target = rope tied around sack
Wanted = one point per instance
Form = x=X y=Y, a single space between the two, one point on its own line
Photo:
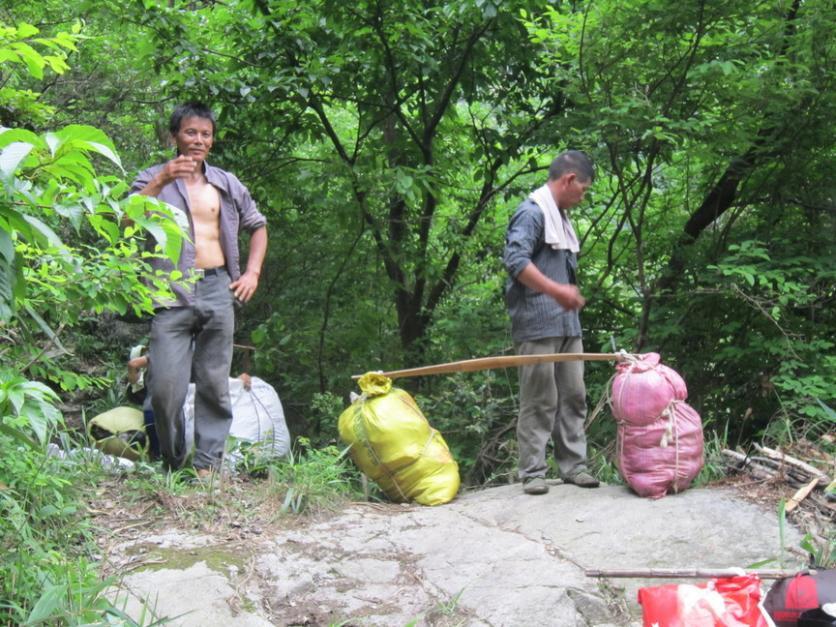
x=672 y=432
x=606 y=396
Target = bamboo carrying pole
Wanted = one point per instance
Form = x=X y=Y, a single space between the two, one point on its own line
x=486 y=363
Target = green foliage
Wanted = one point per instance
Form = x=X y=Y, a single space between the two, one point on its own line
x=477 y=418
x=46 y=574
x=49 y=190
x=822 y=553
x=21 y=45
x=312 y=480
x=27 y=408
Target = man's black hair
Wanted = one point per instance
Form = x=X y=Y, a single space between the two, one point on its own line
x=192 y=109
x=572 y=161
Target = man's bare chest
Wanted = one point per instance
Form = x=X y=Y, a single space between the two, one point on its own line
x=204 y=202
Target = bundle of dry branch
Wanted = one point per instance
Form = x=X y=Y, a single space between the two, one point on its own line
x=774 y=466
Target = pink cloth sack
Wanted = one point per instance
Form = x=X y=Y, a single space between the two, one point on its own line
x=660 y=438
x=664 y=456
x=643 y=388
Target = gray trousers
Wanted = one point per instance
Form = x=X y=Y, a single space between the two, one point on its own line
x=193 y=342
x=552 y=405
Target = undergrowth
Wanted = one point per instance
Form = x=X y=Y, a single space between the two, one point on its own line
x=50 y=572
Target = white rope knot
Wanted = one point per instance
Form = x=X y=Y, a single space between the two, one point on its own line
x=623 y=355
x=670 y=412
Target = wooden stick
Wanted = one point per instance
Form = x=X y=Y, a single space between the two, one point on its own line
x=800 y=495
x=744 y=462
x=486 y=363
x=736 y=455
x=695 y=573
x=792 y=461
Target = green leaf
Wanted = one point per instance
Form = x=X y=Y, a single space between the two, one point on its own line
x=11 y=156
x=25 y=31
x=45 y=328
x=33 y=60
x=41 y=417
x=46 y=233
x=7 y=276
x=48 y=604
x=17 y=398
x=9 y=135
x=18 y=435
x=53 y=142
x=88 y=138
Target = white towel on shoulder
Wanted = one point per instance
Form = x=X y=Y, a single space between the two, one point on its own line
x=559 y=233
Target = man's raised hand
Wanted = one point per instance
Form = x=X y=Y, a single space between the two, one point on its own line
x=181 y=167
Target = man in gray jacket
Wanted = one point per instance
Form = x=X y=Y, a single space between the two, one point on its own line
x=192 y=336
x=543 y=300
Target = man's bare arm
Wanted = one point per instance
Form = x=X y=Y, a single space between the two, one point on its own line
x=245 y=287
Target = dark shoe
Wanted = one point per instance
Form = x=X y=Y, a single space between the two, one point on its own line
x=535 y=485
x=583 y=479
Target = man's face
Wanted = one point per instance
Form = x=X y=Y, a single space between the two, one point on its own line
x=570 y=190
x=195 y=137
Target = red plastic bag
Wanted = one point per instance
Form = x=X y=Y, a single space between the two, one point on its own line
x=722 y=602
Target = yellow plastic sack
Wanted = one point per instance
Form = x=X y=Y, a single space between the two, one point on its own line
x=120 y=432
x=394 y=445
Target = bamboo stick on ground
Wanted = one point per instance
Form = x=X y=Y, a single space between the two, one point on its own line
x=487 y=363
x=692 y=573
x=800 y=495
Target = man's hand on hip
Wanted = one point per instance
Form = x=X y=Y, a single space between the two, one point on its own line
x=245 y=287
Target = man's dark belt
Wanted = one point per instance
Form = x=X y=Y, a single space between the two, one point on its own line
x=205 y=272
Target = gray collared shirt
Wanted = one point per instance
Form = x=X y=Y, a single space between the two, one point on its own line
x=534 y=315
x=238 y=212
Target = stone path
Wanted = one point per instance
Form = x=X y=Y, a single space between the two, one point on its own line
x=494 y=557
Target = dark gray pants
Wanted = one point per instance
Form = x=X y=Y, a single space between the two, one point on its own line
x=193 y=342
x=552 y=405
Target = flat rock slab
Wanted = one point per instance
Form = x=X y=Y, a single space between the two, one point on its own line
x=492 y=557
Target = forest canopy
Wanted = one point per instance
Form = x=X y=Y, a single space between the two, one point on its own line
x=388 y=144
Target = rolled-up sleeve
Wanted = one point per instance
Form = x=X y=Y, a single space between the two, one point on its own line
x=141 y=181
x=522 y=237
x=250 y=217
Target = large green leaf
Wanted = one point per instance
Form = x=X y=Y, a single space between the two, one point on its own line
x=11 y=156
x=9 y=135
x=18 y=435
x=43 y=232
x=48 y=605
x=87 y=138
x=25 y=31
x=33 y=60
